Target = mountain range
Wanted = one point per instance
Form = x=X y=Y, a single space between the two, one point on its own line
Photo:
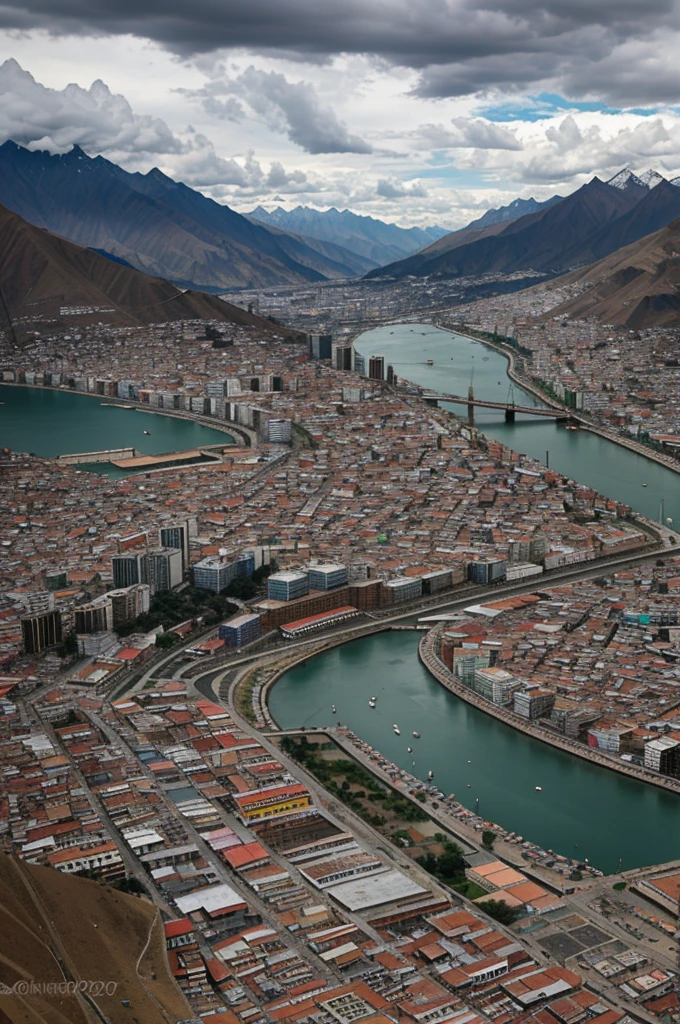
x=160 y=226
x=558 y=236
x=374 y=240
x=47 y=282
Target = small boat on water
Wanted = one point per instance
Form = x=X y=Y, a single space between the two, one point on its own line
x=469 y=785
x=333 y=709
x=539 y=789
x=430 y=362
x=430 y=775
x=417 y=735
x=396 y=729
x=147 y=432
x=371 y=703
x=409 y=750
x=644 y=485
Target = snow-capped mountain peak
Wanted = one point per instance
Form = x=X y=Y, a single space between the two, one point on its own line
x=625 y=178
x=651 y=178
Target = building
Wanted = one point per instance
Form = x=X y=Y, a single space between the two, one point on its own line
x=320 y=346
x=278 y=431
x=495 y=684
x=663 y=755
x=129 y=603
x=94 y=617
x=487 y=570
x=342 y=356
x=403 y=588
x=56 y=579
x=271 y=801
x=241 y=630
x=287 y=586
x=164 y=569
x=327 y=576
x=177 y=535
x=213 y=573
x=533 y=701
x=38 y=632
x=376 y=368
x=128 y=569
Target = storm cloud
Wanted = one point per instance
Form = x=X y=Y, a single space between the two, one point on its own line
x=460 y=47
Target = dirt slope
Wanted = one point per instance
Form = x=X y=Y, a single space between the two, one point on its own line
x=55 y=928
x=635 y=287
x=41 y=275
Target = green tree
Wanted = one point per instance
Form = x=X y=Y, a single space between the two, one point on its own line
x=166 y=639
x=499 y=911
x=488 y=838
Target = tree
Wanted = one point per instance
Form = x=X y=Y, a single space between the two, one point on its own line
x=499 y=911
x=166 y=639
x=488 y=838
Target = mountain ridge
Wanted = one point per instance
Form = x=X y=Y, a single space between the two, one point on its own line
x=160 y=226
x=44 y=278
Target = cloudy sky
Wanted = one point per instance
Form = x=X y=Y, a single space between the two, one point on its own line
x=415 y=111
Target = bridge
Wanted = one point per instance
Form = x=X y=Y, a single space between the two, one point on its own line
x=510 y=408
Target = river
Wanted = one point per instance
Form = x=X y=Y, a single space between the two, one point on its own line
x=582 y=810
x=50 y=423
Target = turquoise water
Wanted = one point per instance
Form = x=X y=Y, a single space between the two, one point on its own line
x=583 y=810
x=49 y=423
x=588 y=458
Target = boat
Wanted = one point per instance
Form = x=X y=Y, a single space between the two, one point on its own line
x=469 y=785
x=147 y=432
x=333 y=709
x=469 y=762
x=430 y=775
x=644 y=485
x=539 y=789
x=417 y=735
x=430 y=362
x=396 y=729
x=409 y=750
x=371 y=703
x=571 y=427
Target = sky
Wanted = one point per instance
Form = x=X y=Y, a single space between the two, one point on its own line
x=418 y=112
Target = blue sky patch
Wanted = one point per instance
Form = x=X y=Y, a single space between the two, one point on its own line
x=547 y=104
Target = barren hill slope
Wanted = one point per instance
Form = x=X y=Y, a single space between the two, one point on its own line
x=55 y=928
x=638 y=286
x=42 y=275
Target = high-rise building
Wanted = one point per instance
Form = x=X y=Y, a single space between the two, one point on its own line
x=376 y=368
x=287 y=586
x=128 y=568
x=129 y=603
x=320 y=346
x=94 y=617
x=213 y=573
x=241 y=630
x=327 y=576
x=164 y=569
x=38 y=632
x=176 y=535
x=342 y=356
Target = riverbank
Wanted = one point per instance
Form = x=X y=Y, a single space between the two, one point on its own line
x=667 y=461
x=249 y=437
x=427 y=652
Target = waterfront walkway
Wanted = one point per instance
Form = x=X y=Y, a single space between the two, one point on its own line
x=428 y=653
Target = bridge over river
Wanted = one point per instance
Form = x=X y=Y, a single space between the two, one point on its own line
x=510 y=409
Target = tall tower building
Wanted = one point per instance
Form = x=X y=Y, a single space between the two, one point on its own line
x=38 y=632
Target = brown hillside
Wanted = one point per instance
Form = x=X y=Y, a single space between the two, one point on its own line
x=55 y=928
x=40 y=274
x=635 y=287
